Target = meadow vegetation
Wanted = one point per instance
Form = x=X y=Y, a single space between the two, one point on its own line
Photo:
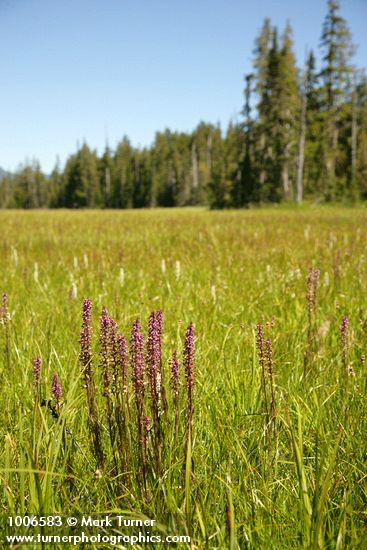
x=270 y=453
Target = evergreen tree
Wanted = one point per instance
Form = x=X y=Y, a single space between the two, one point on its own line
x=81 y=181
x=337 y=51
x=278 y=111
x=123 y=175
x=7 y=192
x=308 y=165
x=233 y=151
x=288 y=112
x=142 y=179
x=203 y=137
x=360 y=181
x=29 y=185
x=106 y=176
x=263 y=44
x=221 y=180
x=164 y=173
x=264 y=52
x=312 y=173
x=245 y=182
x=337 y=47
x=55 y=184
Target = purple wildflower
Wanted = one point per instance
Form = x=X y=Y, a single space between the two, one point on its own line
x=189 y=356
x=137 y=351
x=104 y=325
x=122 y=410
x=260 y=341
x=154 y=362
x=260 y=344
x=312 y=285
x=56 y=389
x=269 y=356
x=270 y=366
x=154 y=357
x=137 y=359
x=153 y=343
x=114 y=355
x=175 y=375
x=37 y=365
x=344 y=333
x=86 y=338
x=147 y=422
x=86 y=362
x=159 y=327
x=344 y=330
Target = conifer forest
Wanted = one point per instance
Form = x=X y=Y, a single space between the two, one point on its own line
x=302 y=134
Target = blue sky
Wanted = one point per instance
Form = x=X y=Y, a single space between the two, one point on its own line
x=97 y=69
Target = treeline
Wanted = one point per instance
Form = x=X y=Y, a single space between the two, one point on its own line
x=178 y=170
x=302 y=133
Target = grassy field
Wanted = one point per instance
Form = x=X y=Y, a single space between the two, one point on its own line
x=276 y=457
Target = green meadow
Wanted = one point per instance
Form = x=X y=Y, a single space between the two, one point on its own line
x=276 y=458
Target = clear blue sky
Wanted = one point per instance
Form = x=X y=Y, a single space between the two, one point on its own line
x=89 y=69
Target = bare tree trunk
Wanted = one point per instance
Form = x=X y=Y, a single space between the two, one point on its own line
x=262 y=175
x=334 y=156
x=194 y=167
x=301 y=152
x=107 y=180
x=285 y=180
x=209 y=157
x=354 y=140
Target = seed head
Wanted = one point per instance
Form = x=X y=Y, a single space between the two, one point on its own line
x=4 y=300
x=4 y=309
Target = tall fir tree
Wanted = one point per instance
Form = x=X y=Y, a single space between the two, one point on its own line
x=244 y=184
x=123 y=175
x=288 y=113
x=81 y=181
x=337 y=48
x=106 y=177
x=308 y=163
x=278 y=115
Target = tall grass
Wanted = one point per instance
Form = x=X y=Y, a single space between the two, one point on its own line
x=264 y=447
